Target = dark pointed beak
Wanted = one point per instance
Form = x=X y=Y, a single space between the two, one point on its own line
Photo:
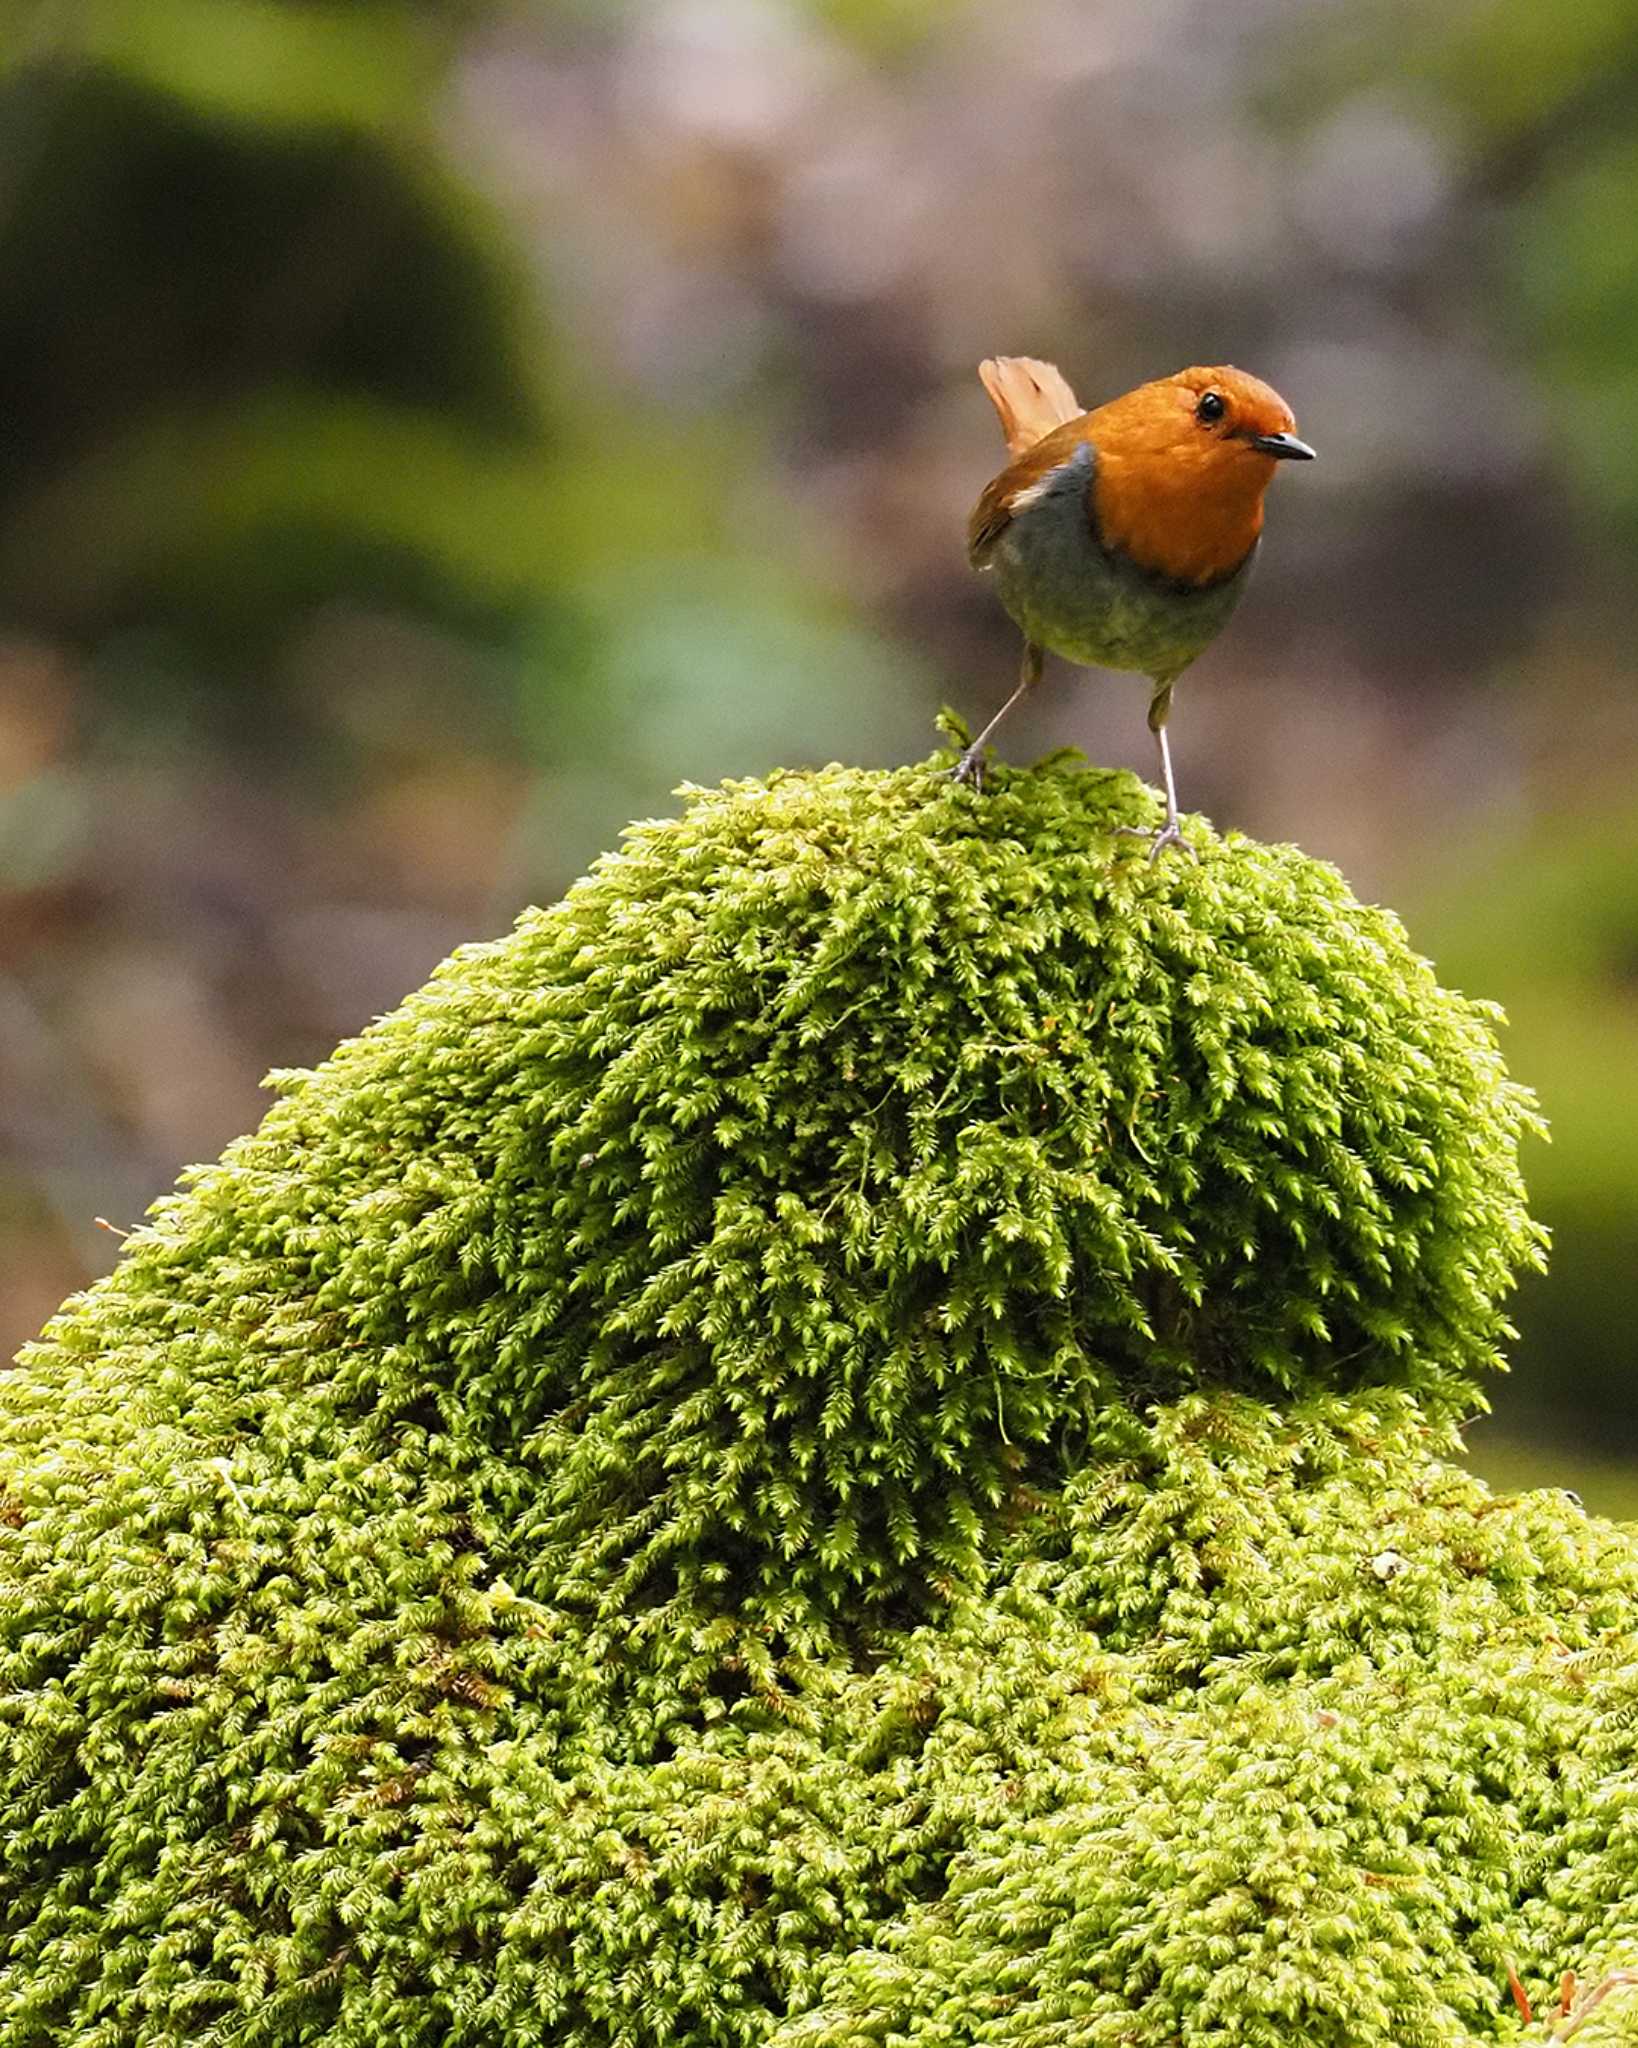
x=1283 y=447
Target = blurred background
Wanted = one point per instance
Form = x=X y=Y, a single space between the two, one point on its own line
x=430 y=432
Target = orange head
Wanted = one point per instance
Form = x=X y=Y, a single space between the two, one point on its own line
x=1182 y=467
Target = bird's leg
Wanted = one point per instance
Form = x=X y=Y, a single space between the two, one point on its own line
x=1171 y=833
x=970 y=768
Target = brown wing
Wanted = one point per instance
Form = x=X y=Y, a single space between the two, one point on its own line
x=993 y=513
x=1032 y=398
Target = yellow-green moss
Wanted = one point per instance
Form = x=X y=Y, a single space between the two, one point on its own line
x=836 y=1440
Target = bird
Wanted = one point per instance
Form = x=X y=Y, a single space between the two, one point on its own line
x=1124 y=537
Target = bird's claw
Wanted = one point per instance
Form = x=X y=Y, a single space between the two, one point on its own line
x=1169 y=834
x=970 y=769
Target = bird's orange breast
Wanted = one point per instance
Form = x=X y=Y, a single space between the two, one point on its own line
x=1185 y=505
x=1090 y=603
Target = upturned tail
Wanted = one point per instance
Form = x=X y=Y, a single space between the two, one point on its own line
x=1031 y=397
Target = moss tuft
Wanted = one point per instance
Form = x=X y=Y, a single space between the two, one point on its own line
x=835 y=1440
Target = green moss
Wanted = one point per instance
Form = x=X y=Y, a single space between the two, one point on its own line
x=836 y=1440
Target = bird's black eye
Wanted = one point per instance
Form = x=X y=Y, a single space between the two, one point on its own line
x=1211 y=406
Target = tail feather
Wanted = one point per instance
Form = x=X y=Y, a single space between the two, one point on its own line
x=1031 y=397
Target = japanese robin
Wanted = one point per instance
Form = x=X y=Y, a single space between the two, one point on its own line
x=1125 y=537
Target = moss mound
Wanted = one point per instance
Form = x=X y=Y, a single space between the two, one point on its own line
x=836 y=1440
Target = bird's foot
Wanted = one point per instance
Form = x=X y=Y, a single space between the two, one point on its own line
x=970 y=768
x=1169 y=834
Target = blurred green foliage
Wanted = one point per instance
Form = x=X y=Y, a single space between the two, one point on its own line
x=259 y=346
x=1548 y=98
x=1550 y=929
x=317 y=371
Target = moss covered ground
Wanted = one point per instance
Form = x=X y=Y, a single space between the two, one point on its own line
x=844 y=1438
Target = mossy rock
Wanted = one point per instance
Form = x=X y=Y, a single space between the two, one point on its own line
x=838 y=1440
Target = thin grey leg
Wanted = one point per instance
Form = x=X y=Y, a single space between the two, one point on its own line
x=1171 y=833
x=1166 y=775
x=970 y=768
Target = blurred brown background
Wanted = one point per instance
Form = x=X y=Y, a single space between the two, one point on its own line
x=429 y=433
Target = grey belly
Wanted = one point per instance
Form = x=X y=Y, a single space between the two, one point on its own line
x=1071 y=596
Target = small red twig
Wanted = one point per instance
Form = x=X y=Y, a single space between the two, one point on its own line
x=1521 y=1997
x=1577 y=2017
